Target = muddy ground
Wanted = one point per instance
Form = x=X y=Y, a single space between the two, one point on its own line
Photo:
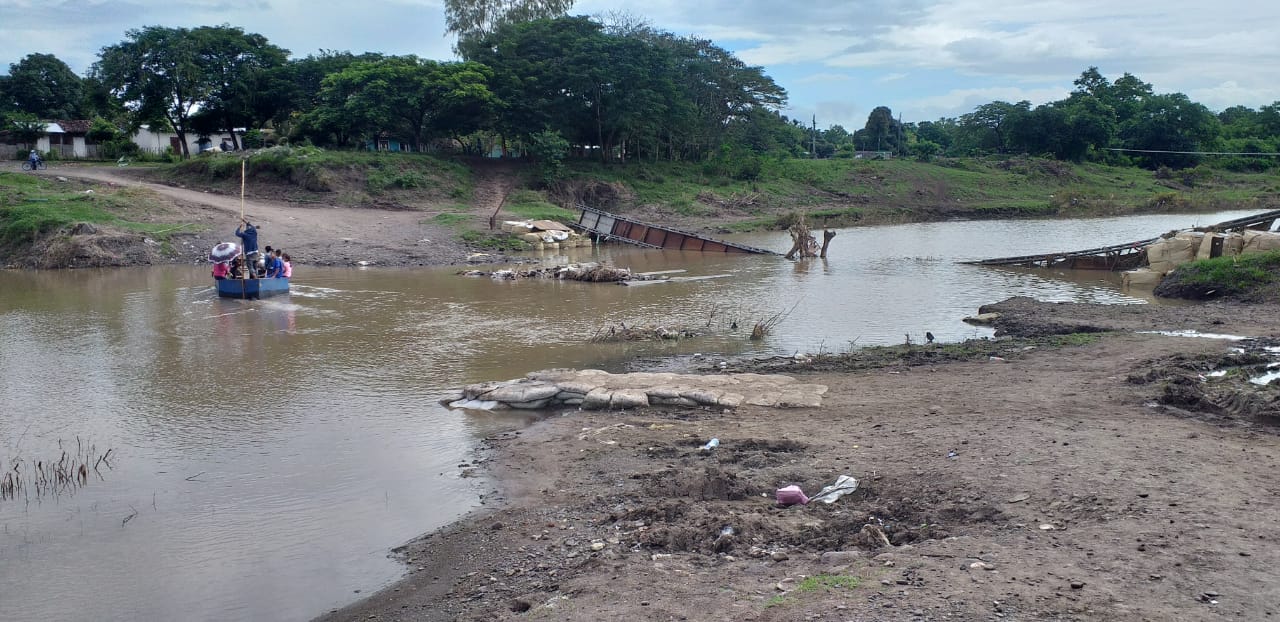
x=1030 y=479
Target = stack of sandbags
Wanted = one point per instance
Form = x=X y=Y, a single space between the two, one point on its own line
x=1232 y=244
x=1169 y=253
x=516 y=226
x=1260 y=242
x=1142 y=277
x=546 y=234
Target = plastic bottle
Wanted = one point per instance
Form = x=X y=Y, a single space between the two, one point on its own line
x=712 y=444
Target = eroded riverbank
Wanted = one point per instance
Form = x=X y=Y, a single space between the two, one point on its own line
x=1043 y=483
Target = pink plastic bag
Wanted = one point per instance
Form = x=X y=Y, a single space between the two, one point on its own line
x=791 y=495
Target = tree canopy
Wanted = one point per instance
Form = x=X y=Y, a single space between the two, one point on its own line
x=613 y=88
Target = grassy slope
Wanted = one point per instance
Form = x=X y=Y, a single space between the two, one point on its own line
x=347 y=178
x=832 y=192
x=31 y=205
x=851 y=191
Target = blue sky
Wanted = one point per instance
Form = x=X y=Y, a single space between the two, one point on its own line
x=838 y=59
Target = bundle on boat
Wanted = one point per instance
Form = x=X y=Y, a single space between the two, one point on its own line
x=591 y=272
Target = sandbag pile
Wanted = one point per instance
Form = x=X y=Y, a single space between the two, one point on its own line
x=594 y=389
x=1166 y=254
x=546 y=234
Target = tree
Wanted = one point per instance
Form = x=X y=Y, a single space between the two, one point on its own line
x=475 y=20
x=881 y=133
x=1171 y=123
x=44 y=86
x=422 y=98
x=156 y=73
x=173 y=72
x=237 y=65
x=990 y=124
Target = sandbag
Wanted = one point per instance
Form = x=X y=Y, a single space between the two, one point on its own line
x=1260 y=242
x=1141 y=278
x=1175 y=250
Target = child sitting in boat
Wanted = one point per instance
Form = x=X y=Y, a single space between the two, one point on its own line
x=221 y=270
x=288 y=265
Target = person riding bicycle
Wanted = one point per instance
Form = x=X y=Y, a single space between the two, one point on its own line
x=34 y=159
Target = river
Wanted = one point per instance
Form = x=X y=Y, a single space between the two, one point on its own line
x=266 y=455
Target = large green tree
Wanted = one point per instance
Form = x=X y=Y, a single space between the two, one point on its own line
x=238 y=67
x=44 y=86
x=1172 y=124
x=474 y=20
x=423 y=99
x=173 y=72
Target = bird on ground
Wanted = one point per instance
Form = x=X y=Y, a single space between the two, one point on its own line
x=928 y=336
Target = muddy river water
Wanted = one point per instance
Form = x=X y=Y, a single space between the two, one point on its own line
x=265 y=456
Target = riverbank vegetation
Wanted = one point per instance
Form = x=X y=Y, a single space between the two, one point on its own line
x=552 y=88
x=32 y=206
x=1252 y=278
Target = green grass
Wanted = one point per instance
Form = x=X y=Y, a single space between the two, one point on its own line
x=1230 y=276
x=502 y=242
x=844 y=192
x=31 y=206
x=827 y=582
x=318 y=170
x=816 y=583
x=533 y=205
x=450 y=219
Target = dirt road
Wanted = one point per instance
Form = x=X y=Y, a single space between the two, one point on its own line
x=1046 y=484
x=312 y=234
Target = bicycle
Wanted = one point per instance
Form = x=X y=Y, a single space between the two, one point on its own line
x=39 y=165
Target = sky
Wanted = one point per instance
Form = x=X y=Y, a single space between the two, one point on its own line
x=838 y=59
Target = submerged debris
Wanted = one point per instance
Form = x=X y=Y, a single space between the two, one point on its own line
x=591 y=272
x=622 y=332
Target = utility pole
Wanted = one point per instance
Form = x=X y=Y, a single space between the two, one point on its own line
x=813 y=139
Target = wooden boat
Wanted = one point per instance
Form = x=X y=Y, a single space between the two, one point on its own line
x=251 y=289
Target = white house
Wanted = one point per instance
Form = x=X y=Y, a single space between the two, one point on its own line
x=152 y=141
x=68 y=138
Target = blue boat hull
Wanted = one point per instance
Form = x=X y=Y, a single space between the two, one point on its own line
x=251 y=288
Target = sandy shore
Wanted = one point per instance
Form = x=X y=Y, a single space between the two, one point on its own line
x=1052 y=481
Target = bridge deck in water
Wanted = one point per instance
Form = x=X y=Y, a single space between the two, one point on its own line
x=606 y=226
x=1119 y=256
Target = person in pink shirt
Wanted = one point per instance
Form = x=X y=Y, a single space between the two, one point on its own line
x=220 y=271
x=288 y=265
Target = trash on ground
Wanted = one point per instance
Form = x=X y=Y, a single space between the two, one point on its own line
x=791 y=495
x=711 y=444
x=843 y=486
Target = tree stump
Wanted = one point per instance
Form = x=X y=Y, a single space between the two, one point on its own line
x=804 y=244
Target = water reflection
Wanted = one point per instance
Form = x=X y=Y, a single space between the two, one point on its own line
x=273 y=451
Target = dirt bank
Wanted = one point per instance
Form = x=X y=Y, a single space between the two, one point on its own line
x=1047 y=483
x=312 y=233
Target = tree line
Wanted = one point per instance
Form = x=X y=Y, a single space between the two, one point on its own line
x=606 y=89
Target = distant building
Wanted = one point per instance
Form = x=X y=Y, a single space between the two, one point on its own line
x=67 y=138
x=157 y=142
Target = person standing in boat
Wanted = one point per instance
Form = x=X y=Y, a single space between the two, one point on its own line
x=288 y=265
x=249 y=239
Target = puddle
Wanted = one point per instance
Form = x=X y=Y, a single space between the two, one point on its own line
x=1193 y=333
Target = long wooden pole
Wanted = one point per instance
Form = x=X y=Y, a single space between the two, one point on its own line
x=244 y=270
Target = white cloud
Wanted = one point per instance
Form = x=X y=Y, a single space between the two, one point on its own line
x=960 y=101
x=823 y=77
